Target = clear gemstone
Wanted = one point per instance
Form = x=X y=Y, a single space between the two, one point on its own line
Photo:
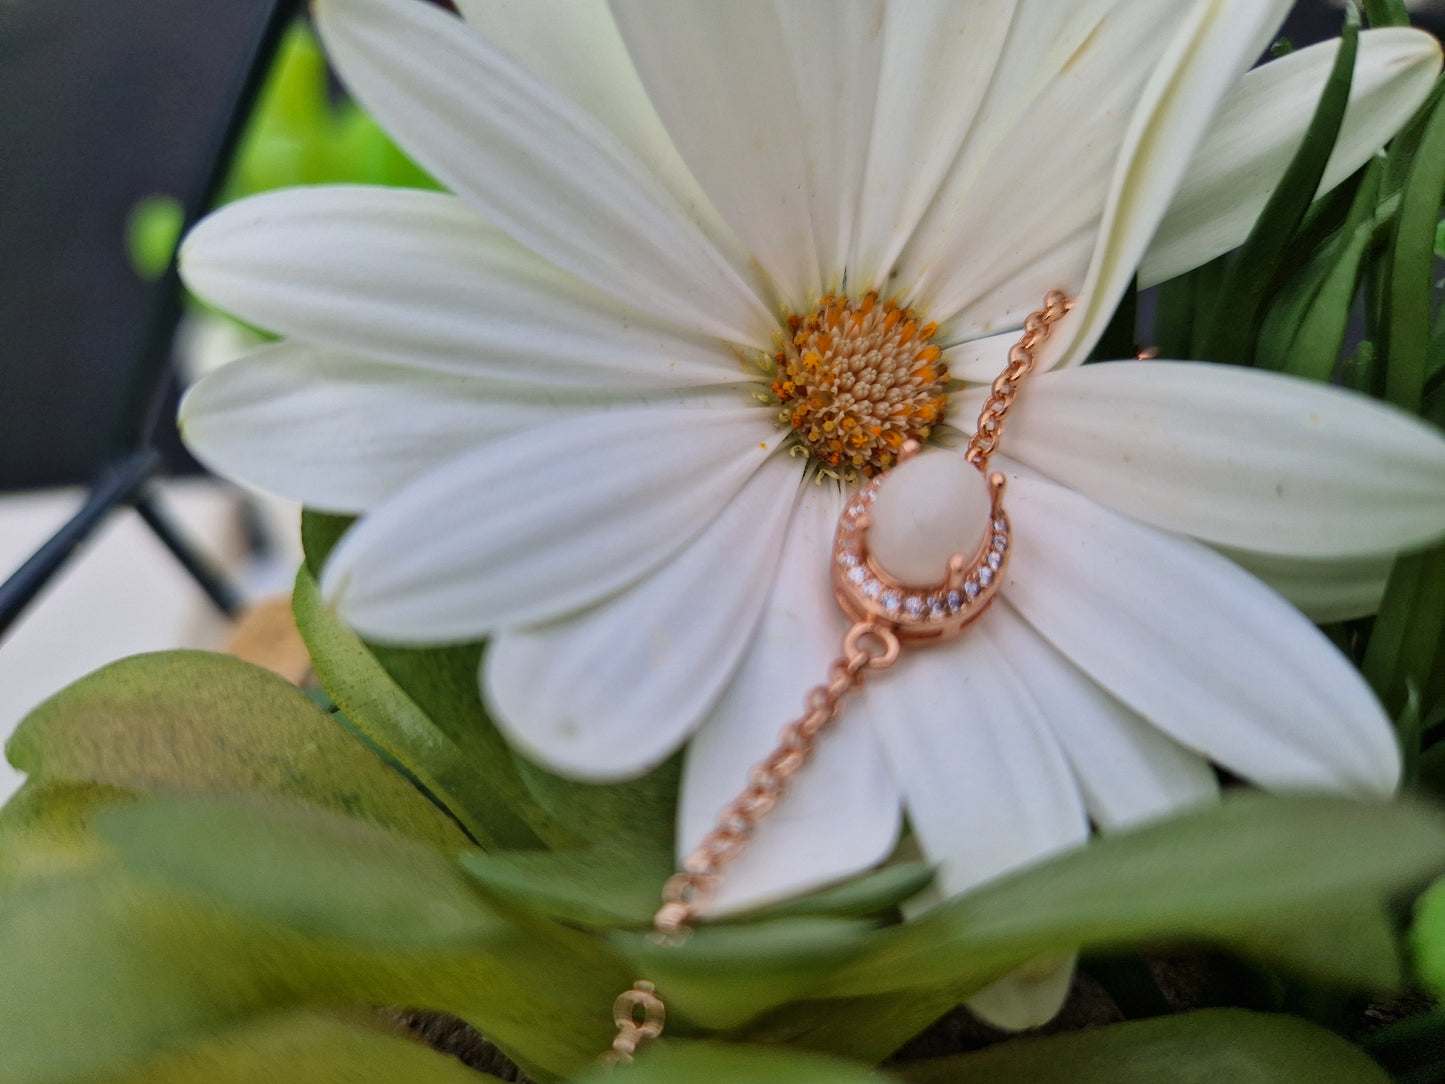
x=872 y=589
x=970 y=588
x=955 y=601
x=994 y=560
x=985 y=576
x=1000 y=525
x=938 y=606
x=913 y=606
x=1000 y=543
x=856 y=509
x=892 y=600
x=848 y=559
x=857 y=574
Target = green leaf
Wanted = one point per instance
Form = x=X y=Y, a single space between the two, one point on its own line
x=303 y=867
x=671 y=1062
x=191 y=721
x=865 y=1029
x=465 y=764
x=1120 y=338
x=1411 y=267
x=320 y=531
x=1314 y=350
x=45 y=828
x=723 y=976
x=105 y=971
x=151 y=231
x=588 y=887
x=1208 y=1047
x=1387 y=13
x=870 y=894
x=635 y=820
x=1409 y=630
x=304 y=1048
x=1182 y=308
x=1428 y=936
x=1250 y=872
x=1231 y=331
x=594 y=888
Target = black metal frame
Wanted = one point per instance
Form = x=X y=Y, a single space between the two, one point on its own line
x=133 y=464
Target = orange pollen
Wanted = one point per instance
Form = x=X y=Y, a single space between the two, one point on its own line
x=865 y=368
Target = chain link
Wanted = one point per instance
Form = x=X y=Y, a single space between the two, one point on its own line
x=1021 y=357
x=686 y=893
x=867 y=645
x=632 y=1033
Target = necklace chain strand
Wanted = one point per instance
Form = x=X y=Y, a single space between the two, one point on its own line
x=639 y=1013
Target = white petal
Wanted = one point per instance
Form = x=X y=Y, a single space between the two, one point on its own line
x=985 y=784
x=938 y=60
x=835 y=53
x=1128 y=771
x=841 y=814
x=342 y=433
x=1195 y=645
x=542 y=523
x=1236 y=456
x=1016 y=214
x=574 y=46
x=721 y=77
x=536 y=164
x=1325 y=589
x=1261 y=124
x=1027 y=998
x=1221 y=40
x=978 y=361
x=612 y=691
x=418 y=278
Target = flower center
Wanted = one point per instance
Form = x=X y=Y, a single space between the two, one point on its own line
x=857 y=379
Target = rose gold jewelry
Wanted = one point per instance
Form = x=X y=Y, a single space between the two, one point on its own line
x=886 y=614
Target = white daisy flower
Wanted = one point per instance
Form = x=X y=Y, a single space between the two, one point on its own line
x=696 y=248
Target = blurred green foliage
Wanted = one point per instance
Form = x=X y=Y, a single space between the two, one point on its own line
x=211 y=876
x=301 y=132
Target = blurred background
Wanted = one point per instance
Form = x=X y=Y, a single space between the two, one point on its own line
x=117 y=122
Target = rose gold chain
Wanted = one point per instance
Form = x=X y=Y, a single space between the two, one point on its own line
x=1021 y=357
x=867 y=645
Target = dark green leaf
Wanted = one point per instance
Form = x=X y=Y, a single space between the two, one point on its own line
x=1230 y=333
x=1183 y=306
x=1210 y=1047
x=191 y=721
x=716 y=1063
x=475 y=780
x=1314 y=350
x=320 y=531
x=1120 y=338
x=1411 y=267
x=1407 y=635
x=866 y=1029
x=1387 y=13
x=1235 y=874
x=304 y=1048
x=1360 y=370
